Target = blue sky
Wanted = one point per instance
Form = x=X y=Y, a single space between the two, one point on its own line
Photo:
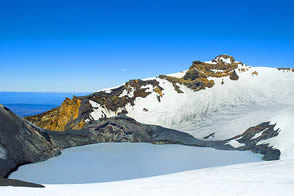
x=83 y=46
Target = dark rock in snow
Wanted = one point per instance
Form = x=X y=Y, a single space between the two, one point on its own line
x=234 y=76
x=19 y=183
x=266 y=131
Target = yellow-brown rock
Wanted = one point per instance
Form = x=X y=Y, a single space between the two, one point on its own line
x=58 y=118
x=79 y=125
x=158 y=91
x=254 y=73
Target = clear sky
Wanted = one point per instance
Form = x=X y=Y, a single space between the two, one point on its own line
x=71 y=46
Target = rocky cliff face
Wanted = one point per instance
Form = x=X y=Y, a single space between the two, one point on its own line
x=21 y=142
x=61 y=118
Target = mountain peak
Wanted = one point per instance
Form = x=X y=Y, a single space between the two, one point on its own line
x=222 y=59
x=220 y=66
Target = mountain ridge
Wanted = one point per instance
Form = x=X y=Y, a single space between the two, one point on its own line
x=195 y=78
x=214 y=100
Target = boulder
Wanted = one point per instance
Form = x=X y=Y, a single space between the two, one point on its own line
x=234 y=75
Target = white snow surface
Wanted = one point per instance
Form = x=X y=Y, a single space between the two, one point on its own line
x=227 y=109
x=179 y=74
x=128 y=92
x=100 y=111
x=235 y=143
x=218 y=59
x=210 y=62
x=257 y=135
x=225 y=60
x=265 y=178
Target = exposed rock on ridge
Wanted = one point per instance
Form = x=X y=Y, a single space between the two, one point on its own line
x=197 y=77
x=125 y=94
x=60 y=118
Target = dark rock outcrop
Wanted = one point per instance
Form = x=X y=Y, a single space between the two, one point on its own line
x=234 y=76
x=124 y=129
x=21 y=142
x=19 y=183
x=250 y=141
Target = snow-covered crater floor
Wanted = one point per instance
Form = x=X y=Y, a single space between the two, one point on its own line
x=254 y=179
x=123 y=161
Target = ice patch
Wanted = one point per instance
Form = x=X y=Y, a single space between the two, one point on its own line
x=101 y=112
x=227 y=60
x=108 y=91
x=97 y=112
x=218 y=59
x=210 y=62
x=217 y=70
x=235 y=144
x=128 y=92
x=258 y=134
x=148 y=88
x=3 y=153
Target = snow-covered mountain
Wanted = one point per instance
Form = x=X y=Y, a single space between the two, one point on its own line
x=213 y=100
x=224 y=103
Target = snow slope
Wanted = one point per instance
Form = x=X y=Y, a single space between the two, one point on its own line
x=237 y=105
x=267 y=178
x=229 y=108
x=225 y=109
